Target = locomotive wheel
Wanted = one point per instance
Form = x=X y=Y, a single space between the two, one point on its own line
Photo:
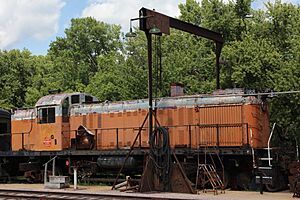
x=5 y=177
x=34 y=176
x=278 y=185
x=272 y=188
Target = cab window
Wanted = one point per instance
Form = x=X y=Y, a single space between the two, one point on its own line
x=46 y=115
x=75 y=99
x=88 y=99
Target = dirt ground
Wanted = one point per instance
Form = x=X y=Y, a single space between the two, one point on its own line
x=229 y=195
x=246 y=195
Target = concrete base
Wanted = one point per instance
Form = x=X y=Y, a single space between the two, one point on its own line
x=59 y=179
x=57 y=182
x=49 y=185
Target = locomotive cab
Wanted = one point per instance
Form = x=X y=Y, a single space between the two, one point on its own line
x=46 y=127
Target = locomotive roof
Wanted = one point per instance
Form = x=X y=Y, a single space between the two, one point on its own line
x=52 y=99
x=167 y=102
x=4 y=113
x=55 y=99
x=106 y=107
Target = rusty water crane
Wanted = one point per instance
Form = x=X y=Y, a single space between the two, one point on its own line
x=171 y=176
x=152 y=22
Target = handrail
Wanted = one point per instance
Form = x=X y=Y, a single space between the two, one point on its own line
x=46 y=168
x=223 y=169
x=252 y=150
x=50 y=160
x=174 y=126
x=269 y=141
x=214 y=164
x=215 y=141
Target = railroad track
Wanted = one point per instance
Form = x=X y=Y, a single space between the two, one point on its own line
x=10 y=194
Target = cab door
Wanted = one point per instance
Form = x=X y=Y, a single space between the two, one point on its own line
x=47 y=129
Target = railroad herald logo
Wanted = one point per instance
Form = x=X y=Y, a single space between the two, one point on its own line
x=47 y=142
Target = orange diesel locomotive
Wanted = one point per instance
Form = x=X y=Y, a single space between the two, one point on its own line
x=192 y=121
x=96 y=136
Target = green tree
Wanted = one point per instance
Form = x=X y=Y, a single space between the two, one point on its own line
x=109 y=83
x=243 y=11
x=283 y=23
x=221 y=17
x=136 y=66
x=190 y=12
x=252 y=63
x=43 y=79
x=16 y=69
x=75 y=55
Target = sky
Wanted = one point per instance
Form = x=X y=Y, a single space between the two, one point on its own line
x=34 y=24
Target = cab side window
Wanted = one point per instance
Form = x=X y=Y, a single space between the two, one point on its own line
x=46 y=115
x=75 y=99
x=88 y=99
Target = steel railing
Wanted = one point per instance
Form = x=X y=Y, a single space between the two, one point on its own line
x=218 y=135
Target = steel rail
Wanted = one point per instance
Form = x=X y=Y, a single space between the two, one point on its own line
x=72 y=195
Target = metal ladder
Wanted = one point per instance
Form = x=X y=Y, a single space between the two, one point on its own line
x=265 y=163
x=208 y=174
x=209 y=171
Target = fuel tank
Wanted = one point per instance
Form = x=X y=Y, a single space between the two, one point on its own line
x=116 y=162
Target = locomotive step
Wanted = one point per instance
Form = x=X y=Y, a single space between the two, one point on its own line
x=266 y=148
x=264 y=179
x=57 y=182
x=265 y=168
x=59 y=179
x=265 y=158
x=272 y=148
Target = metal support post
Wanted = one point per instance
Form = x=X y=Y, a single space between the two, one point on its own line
x=45 y=173
x=218 y=54
x=22 y=140
x=75 y=178
x=149 y=44
x=117 y=135
x=53 y=167
x=190 y=136
x=261 y=190
x=218 y=135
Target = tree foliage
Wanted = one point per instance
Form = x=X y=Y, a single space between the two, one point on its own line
x=75 y=56
x=16 y=67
